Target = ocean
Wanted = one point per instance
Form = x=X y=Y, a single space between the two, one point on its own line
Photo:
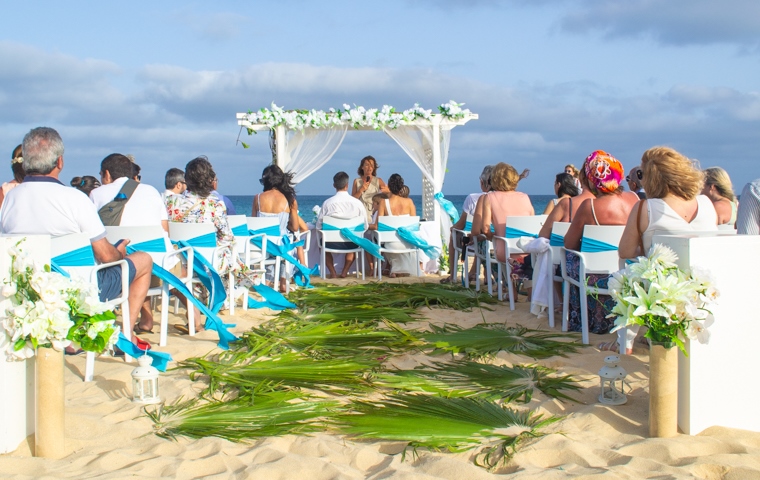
x=306 y=203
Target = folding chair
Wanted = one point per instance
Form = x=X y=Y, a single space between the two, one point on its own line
x=464 y=253
x=153 y=240
x=599 y=256
x=556 y=243
x=73 y=253
x=330 y=232
x=387 y=233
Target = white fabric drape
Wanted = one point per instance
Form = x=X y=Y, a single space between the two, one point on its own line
x=417 y=142
x=307 y=150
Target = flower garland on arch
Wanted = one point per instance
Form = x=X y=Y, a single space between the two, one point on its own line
x=356 y=116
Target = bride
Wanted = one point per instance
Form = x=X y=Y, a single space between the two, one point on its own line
x=399 y=204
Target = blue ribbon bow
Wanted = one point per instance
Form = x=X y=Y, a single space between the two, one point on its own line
x=448 y=207
x=348 y=233
x=408 y=235
x=283 y=251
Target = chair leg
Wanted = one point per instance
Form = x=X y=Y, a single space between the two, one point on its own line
x=584 y=312
x=550 y=300
x=231 y=292
x=165 y=314
x=125 y=323
x=510 y=286
x=565 y=305
x=324 y=265
x=498 y=282
x=361 y=254
x=489 y=279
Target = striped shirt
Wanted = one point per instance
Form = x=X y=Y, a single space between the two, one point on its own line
x=748 y=218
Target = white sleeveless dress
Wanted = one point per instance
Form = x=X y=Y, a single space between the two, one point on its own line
x=400 y=262
x=664 y=220
x=284 y=218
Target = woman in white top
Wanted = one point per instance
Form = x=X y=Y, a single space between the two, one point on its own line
x=719 y=190
x=673 y=204
x=398 y=203
x=278 y=200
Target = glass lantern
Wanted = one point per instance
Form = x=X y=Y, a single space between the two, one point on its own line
x=145 y=382
x=612 y=377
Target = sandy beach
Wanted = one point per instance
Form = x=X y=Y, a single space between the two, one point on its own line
x=107 y=436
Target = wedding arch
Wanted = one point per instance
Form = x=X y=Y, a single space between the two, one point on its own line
x=302 y=141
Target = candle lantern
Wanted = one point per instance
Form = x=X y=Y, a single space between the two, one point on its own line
x=145 y=382
x=612 y=377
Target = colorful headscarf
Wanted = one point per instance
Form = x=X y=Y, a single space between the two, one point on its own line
x=603 y=171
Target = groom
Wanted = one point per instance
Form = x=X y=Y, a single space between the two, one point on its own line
x=341 y=205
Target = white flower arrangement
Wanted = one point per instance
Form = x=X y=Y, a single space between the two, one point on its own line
x=671 y=303
x=355 y=117
x=46 y=309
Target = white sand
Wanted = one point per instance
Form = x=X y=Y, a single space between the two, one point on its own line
x=107 y=437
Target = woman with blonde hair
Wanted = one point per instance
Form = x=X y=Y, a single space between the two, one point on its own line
x=673 y=204
x=719 y=190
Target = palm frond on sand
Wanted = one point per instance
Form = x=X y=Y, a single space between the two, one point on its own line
x=466 y=378
x=439 y=423
x=391 y=295
x=243 y=419
x=365 y=313
x=489 y=338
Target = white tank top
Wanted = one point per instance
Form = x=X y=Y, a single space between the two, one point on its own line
x=663 y=219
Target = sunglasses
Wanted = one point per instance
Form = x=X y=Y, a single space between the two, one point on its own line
x=639 y=175
x=261 y=181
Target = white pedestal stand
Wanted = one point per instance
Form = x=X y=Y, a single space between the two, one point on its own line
x=716 y=383
x=17 y=378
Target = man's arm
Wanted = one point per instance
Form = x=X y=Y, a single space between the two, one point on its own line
x=106 y=253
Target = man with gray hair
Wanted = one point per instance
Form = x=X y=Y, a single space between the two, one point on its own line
x=634 y=178
x=174 y=181
x=42 y=205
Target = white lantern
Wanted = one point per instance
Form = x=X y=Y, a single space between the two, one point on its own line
x=145 y=382
x=612 y=378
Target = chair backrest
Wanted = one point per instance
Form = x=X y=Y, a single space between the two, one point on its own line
x=153 y=238
x=333 y=235
x=604 y=260
x=726 y=228
x=74 y=254
x=394 y=222
x=190 y=231
x=522 y=226
x=239 y=226
x=559 y=229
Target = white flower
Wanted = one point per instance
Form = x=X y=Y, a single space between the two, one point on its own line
x=699 y=329
x=9 y=290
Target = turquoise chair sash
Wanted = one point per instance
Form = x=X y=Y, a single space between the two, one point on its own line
x=408 y=235
x=271 y=231
x=592 y=245
x=448 y=207
x=160 y=359
x=205 y=271
x=81 y=257
x=557 y=240
x=517 y=233
x=204 y=241
x=156 y=245
x=348 y=233
x=283 y=251
x=467 y=226
x=241 y=230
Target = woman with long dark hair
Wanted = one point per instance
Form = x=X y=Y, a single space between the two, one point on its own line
x=564 y=187
x=398 y=204
x=278 y=200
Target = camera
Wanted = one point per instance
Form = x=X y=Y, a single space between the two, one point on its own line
x=465 y=240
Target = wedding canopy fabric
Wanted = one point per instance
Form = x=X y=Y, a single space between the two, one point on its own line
x=425 y=141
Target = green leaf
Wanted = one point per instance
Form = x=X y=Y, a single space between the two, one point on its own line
x=245 y=145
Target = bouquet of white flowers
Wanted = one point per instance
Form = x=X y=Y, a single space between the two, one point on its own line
x=671 y=303
x=46 y=309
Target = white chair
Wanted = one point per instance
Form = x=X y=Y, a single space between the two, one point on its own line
x=464 y=253
x=266 y=228
x=190 y=232
x=153 y=240
x=516 y=228
x=239 y=226
x=556 y=242
x=603 y=262
x=332 y=234
x=386 y=238
x=86 y=268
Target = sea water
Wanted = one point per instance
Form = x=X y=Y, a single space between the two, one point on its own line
x=306 y=203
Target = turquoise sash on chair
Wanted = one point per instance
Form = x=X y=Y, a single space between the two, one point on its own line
x=157 y=245
x=448 y=207
x=370 y=247
x=160 y=359
x=204 y=241
x=271 y=231
x=408 y=235
x=467 y=226
x=592 y=245
x=241 y=230
x=205 y=271
x=283 y=251
x=517 y=233
x=557 y=240
x=81 y=257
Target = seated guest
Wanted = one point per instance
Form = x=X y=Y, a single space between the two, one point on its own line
x=43 y=205
x=398 y=204
x=341 y=205
x=135 y=171
x=468 y=208
x=634 y=179
x=198 y=205
x=494 y=207
x=566 y=209
x=604 y=174
x=278 y=200
x=719 y=190
x=673 y=204
x=143 y=207
x=85 y=184
x=748 y=216
x=564 y=187
x=174 y=182
x=17 y=167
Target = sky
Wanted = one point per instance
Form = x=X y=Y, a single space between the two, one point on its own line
x=551 y=81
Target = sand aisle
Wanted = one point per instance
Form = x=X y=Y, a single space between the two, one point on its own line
x=108 y=438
